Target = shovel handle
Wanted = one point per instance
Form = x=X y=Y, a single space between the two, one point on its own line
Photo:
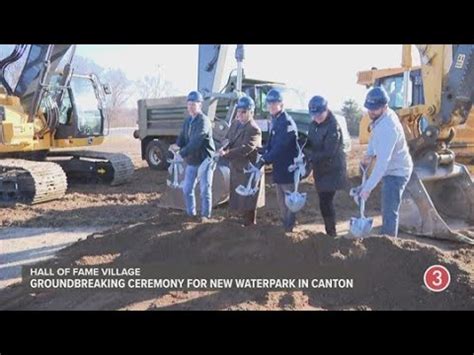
x=296 y=177
x=252 y=175
x=362 y=208
x=364 y=170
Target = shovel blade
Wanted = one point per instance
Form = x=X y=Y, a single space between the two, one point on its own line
x=243 y=191
x=361 y=227
x=295 y=201
x=174 y=185
x=173 y=197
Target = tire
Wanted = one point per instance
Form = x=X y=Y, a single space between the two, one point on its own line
x=156 y=155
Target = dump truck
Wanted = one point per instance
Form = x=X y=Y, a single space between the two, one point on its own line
x=160 y=120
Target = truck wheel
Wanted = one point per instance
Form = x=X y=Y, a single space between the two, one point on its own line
x=157 y=154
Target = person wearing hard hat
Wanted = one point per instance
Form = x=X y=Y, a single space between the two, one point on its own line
x=244 y=137
x=280 y=151
x=393 y=163
x=327 y=157
x=195 y=143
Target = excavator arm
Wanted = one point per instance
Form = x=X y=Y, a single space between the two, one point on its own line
x=40 y=65
x=458 y=88
x=448 y=78
x=5 y=62
x=439 y=199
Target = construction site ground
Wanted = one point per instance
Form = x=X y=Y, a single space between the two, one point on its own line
x=123 y=226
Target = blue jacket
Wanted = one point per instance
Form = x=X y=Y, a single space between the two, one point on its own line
x=195 y=139
x=282 y=147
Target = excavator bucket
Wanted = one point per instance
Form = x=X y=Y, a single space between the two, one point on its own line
x=439 y=207
x=174 y=198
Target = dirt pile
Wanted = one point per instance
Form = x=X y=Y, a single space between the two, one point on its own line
x=386 y=273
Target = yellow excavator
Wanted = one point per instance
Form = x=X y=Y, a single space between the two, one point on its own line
x=434 y=102
x=392 y=79
x=46 y=113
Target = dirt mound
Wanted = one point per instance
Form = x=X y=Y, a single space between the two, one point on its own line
x=386 y=273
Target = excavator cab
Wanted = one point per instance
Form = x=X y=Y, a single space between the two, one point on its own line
x=82 y=108
x=394 y=85
x=44 y=113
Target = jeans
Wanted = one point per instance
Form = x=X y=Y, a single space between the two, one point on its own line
x=190 y=182
x=288 y=218
x=392 y=191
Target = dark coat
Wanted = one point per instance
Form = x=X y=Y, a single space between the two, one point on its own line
x=243 y=144
x=327 y=155
x=282 y=148
x=195 y=139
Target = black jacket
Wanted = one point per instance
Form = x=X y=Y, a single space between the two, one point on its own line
x=327 y=155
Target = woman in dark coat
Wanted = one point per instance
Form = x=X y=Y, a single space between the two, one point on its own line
x=327 y=157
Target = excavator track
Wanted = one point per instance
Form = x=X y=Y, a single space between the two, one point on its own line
x=31 y=181
x=113 y=168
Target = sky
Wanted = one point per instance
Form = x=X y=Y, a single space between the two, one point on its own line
x=327 y=70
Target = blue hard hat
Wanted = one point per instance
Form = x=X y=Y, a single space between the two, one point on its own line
x=274 y=96
x=376 y=98
x=195 y=96
x=246 y=103
x=317 y=105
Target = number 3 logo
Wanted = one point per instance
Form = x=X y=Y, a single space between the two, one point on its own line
x=437 y=278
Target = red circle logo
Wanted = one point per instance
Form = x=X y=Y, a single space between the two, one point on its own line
x=437 y=278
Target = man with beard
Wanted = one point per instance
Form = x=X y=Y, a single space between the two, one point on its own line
x=393 y=165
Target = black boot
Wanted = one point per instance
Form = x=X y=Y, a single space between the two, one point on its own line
x=330 y=225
